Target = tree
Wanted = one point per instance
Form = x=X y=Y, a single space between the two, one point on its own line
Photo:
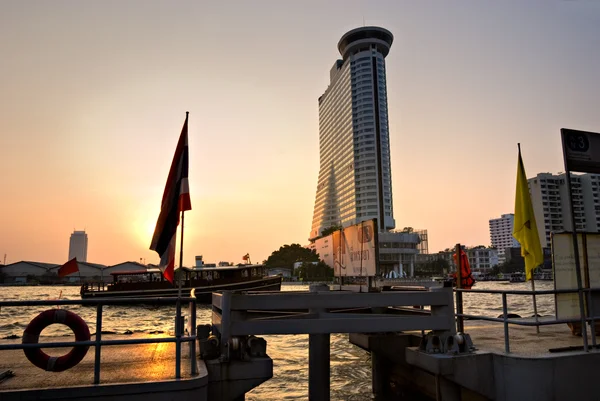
x=330 y=230
x=319 y=271
x=287 y=255
x=432 y=268
x=408 y=230
x=513 y=266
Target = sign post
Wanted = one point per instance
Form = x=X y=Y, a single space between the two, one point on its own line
x=581 y=152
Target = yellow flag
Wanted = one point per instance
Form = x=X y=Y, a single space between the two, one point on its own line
x=525 y=229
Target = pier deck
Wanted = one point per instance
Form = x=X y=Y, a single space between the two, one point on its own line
x=137 y=363
x=524 y=341
x=553 y=357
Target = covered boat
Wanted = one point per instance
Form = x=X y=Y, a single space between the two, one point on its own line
x=150 y=282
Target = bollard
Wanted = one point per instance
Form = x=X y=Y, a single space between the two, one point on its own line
x=318 y=357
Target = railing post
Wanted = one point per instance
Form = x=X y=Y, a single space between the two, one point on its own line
x=460 y=323
x=505 y=316
x=178 y=340
x=448 y=309
x=318 y=357
x=97 y=349
x=591 y=315
x=225 y=324
x=192 y=330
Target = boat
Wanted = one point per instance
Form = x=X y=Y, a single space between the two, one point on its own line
x=150 y=283
x=517 y=278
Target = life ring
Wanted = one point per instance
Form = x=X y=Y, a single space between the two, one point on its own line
x=39 y=358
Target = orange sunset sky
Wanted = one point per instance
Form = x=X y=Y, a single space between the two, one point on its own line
x=93 y=96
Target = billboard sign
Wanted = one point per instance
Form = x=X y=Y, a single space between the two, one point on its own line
x=565 y=274
x=355 y=250
x=581 y=150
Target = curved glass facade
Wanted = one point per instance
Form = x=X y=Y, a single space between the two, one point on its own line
x=354 y=181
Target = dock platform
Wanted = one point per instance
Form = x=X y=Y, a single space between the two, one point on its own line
x=137 y=372
x=550 y=365
x=137 y=363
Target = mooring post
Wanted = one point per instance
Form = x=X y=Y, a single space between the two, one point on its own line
x=318 y=358
x=380 y=373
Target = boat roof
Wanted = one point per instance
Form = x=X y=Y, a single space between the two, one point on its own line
x=199 y=269
x=189 y=269
x=133 y=272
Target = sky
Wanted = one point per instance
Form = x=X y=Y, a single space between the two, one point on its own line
x=93 y=96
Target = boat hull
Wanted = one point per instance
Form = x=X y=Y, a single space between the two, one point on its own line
x=203 y=294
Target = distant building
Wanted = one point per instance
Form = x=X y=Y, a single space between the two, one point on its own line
x=25 y=271
x=354 y=182
x=481 y=259
x=282 y=271
x=121 y=267
x=501 y=230
x=78 y=245
x=47 y=273
x=513 y=257
x=550 y=199
x=298 y=264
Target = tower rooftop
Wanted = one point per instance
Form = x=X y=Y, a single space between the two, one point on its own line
x=362 y=38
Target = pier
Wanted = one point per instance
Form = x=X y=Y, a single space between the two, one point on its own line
x=416 y=351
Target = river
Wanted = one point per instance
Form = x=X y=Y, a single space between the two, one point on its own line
x=350 y=373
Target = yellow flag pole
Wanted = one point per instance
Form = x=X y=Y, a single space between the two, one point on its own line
x=537 y=323
x=537 y=326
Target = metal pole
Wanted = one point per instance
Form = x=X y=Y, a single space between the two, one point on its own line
x=194 y=365
x=577 y=262
x=178 y=340
x=575 y=244
x=340 y=257
x=181 y=252
x=459 y=296
x=591 y=314
x=98 y=344
x=587 y=285
x=318 y=358
x=504 y=315
x=537 y=327
x=225 y=324
x=362 y=233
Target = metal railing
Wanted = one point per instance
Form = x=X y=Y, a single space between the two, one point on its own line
x=98 y=343
x=591 y=318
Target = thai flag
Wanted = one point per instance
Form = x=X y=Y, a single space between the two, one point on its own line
x=176 y=199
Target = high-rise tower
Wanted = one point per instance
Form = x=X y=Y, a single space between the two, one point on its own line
x=355 y=182
x=501 y=230
x=78 y=246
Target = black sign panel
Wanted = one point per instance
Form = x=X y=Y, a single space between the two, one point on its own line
x=581 y=150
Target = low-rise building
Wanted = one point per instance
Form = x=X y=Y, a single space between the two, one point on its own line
x=284 y=272
x=26 y=271
x=481 y=258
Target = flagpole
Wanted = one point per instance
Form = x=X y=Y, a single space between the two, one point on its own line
x=340 y=257
x=187 y=113
x=181 y=252
x=537 y=327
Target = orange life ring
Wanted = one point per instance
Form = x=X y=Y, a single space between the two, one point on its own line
x=39 y=358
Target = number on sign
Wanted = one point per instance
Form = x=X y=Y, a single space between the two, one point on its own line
x=578 y=142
